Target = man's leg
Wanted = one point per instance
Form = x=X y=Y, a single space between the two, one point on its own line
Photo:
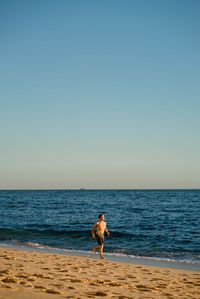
x=94 y=248
x=101 y=251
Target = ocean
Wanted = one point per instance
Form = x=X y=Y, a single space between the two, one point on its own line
x=145 y=225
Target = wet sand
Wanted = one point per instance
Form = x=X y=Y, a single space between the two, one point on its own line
x=28 y=274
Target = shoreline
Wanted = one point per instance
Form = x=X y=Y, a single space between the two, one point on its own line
x=113 y=257
x=39 y=274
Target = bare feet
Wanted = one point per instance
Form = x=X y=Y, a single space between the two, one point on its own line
x=93 y=250
x=102 y=257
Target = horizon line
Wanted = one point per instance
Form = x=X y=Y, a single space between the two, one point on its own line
x=88 y=189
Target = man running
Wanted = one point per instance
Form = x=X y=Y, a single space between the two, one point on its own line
x=99 y=235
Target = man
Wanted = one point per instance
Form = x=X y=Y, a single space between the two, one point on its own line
x=99 y=235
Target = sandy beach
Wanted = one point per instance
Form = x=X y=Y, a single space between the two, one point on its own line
x=34 y=274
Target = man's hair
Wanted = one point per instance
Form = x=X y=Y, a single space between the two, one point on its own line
x=100 y=215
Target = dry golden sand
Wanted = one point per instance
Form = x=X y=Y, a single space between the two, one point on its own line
x=30 y=274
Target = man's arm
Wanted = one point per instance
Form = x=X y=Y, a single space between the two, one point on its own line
x=107 y=231
x=94 y=226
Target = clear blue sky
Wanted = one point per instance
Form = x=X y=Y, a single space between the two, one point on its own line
x=99 y=94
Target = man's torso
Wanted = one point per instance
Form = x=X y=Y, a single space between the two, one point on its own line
x=101 y=225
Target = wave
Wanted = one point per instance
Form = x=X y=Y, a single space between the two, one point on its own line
x=6 y=233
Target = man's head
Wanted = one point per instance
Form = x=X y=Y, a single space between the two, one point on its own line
x=101 y=217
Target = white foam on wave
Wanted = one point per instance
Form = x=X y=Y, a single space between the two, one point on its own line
x=155 y=258
x=36 y=245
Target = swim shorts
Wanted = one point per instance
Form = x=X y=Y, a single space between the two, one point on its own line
x=100 y=239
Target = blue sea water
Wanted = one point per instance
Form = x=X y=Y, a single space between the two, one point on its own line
x=146 y=224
